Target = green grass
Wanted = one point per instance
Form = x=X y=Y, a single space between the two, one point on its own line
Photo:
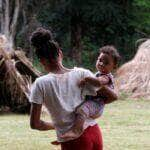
x=125 y=126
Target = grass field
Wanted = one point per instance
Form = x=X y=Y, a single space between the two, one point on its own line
x=125 y=126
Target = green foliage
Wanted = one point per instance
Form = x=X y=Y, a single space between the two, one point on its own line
x=89 y=54
x=69 y=62
x=119 y=23
x=37 y=64
x=142 y=3
x=142 y=16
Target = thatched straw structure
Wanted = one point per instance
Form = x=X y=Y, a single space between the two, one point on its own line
x=16 y=76
x=133 y=77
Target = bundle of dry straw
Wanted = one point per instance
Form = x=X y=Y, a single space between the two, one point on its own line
x=16 y=76
x=134 y=76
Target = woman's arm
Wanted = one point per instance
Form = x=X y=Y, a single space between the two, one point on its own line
x=35 y=121
x=109 y=93
x=102 y=80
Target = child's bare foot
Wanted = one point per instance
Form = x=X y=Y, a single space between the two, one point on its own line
x=71 y=134
x=55 y=143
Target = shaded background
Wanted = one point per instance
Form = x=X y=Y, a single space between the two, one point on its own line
x=82 y=26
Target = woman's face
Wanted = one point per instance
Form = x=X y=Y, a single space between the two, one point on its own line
x=105 y=63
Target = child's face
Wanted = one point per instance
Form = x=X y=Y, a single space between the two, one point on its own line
x=105 y=63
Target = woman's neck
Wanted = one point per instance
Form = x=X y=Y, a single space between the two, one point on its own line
x=58 y=69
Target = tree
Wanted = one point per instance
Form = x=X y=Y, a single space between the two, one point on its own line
x=8 y=18
x=141 y=11
x=103 y=22
x=16 y=72
x=15 y=17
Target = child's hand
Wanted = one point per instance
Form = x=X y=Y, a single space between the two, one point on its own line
x=82 y=83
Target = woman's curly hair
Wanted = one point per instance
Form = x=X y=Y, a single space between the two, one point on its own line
x=44 y=45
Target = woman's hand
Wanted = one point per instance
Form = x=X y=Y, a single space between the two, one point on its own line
x=82 y=83
x=90 y=80
x=35 y=121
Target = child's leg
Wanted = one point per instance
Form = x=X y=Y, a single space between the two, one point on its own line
x=82 y=112
x=89 y=109
x=97 y=108
x=75 y=131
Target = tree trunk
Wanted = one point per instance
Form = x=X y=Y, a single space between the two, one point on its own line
x=13 y=24
x=8 y=19
x=76 y=46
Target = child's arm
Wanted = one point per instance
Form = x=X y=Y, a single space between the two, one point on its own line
x=102 y=80
x=110 y=94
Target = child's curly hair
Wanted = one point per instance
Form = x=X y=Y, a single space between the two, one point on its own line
x=112 y=51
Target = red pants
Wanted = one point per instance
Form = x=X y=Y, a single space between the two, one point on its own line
x=91 y=139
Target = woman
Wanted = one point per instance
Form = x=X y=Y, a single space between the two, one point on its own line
x=60 y=93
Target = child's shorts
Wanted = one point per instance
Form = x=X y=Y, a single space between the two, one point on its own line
x=91 y=108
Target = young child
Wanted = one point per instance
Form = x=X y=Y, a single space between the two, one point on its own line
x=93 y=106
